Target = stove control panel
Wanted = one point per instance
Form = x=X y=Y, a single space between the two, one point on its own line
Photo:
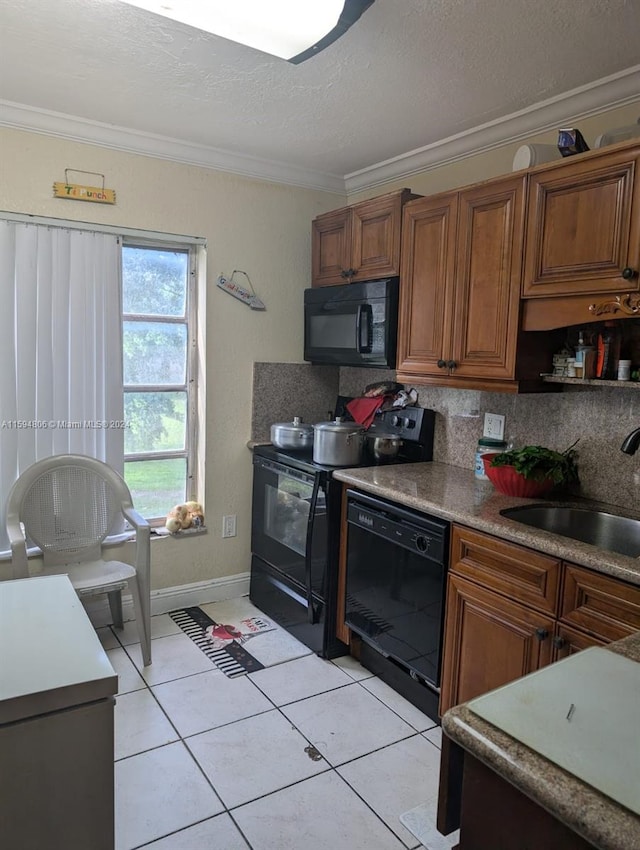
x=414 y=426
x=406 y=423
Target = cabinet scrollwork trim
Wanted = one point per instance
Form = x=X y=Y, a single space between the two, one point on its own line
x=629 y=304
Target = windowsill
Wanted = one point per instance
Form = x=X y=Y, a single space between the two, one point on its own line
x=119 y=539
x=159 y=533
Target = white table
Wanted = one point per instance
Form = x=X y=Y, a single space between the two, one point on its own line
x=56 y=721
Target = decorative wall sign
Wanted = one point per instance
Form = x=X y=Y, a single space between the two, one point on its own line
x=247 y=296
x=80 y=192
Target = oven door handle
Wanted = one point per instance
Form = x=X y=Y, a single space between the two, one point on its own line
x=311 y=612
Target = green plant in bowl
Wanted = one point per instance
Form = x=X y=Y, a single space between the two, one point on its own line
x=540 y=464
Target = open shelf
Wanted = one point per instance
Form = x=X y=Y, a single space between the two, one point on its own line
x=590 y=382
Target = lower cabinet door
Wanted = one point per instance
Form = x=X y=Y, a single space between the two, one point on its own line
x=489 y=641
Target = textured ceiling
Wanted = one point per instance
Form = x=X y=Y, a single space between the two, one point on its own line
x=409 y=73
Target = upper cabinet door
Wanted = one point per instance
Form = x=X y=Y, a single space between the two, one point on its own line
x=488 y=275
x=428 y=265
x=361 y=242
x=375 y=234
x=331 y=247
x=583 y=229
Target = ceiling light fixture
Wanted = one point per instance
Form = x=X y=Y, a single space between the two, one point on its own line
x=291 y=29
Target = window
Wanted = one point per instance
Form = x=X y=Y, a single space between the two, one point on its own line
x=98 y=348
x=158 y=328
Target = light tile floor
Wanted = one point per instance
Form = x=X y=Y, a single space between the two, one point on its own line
x=306 y=753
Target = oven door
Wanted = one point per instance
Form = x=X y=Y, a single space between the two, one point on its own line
x=289 y=525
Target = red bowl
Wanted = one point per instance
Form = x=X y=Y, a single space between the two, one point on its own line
x=506 y=480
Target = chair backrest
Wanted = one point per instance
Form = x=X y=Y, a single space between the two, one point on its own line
x=68 y=504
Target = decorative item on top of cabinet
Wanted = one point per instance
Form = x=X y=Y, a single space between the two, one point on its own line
x=583 y=225
x=360 y=242
x=460 y=292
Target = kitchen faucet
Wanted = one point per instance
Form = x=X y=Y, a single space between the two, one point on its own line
x=631 y=442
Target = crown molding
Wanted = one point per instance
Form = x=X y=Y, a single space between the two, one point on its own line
x=21 y=117
x=597 y=97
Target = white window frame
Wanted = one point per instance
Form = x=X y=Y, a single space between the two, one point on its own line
x=190 y=387
x=196 y=295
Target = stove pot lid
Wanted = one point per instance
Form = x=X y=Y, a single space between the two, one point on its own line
x=338 y=426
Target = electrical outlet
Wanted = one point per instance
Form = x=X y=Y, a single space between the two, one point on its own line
x=229 y=525
x=493 y=426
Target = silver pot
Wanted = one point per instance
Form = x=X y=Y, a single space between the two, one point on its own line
x=384 y=446
x=292 y=435
x=338 y=443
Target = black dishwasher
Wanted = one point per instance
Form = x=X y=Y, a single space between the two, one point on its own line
x=396 y=580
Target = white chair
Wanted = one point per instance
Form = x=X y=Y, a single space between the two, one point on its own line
x=66 y=505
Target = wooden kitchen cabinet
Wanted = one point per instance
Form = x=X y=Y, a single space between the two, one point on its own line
x=360 y=242
x=525 y=576
x=493 y=813
x=427 y=294
x=603 y=606
x=489 y=641
x=583 y=226
x=511 y=610
x=460 y=294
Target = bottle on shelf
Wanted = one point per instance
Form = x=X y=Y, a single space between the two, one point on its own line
x=608 y=351
x=585 y=356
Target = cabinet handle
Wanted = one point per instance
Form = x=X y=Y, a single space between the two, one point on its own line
x=559 y=642
x=441 y=364
x=542 y=634
x=344 y=273
x=629 y=273
x=451 y=364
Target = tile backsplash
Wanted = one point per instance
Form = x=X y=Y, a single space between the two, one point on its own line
x=599 y=417
x=284 y=390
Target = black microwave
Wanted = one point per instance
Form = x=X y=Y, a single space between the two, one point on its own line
x=353 y=324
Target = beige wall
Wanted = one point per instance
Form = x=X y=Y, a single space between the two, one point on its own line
x=260 y=227
x=499 y=161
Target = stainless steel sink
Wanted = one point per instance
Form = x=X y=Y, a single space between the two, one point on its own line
x=606 y=531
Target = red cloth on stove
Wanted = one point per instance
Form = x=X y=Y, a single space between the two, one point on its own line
x=364 y=409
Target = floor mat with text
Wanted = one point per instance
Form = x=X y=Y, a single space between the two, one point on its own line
x=223 y=643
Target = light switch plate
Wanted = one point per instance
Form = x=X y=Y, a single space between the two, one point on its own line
x=494 y=426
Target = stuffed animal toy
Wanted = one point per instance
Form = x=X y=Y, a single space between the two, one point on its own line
x=189 y=515
x=196 y=513
x=177 y=519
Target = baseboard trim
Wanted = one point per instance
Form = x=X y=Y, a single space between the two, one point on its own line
x=170 y=598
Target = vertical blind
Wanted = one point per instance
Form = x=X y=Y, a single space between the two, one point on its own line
x=60 y=348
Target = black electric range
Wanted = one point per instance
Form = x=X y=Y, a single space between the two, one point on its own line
x=295 y=529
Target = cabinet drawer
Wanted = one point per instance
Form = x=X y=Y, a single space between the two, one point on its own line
x=602 y=605
x=519 y=573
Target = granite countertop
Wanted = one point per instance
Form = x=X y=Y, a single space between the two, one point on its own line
x=456 y=494
x=595 y=817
